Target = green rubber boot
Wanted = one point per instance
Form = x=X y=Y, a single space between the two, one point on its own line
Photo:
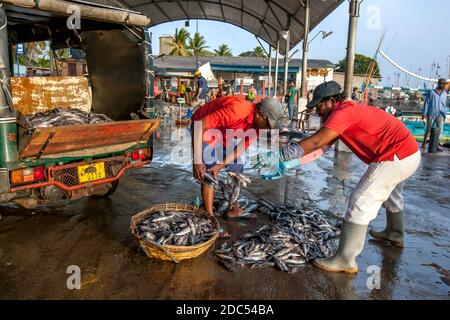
x=394 y=229
x=351 y=244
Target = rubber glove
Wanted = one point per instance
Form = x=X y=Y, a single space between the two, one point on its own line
x=287 y=165
x=290 y=152
x=269 y=159
x=281 y=169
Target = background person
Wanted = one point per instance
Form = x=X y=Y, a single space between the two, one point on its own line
x=199 y=98
x=435 y=110
x=380 y=140
x=224 y=113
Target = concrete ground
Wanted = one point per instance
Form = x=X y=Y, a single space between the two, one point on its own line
x=37 y=246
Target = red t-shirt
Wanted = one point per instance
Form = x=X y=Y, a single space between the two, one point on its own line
x=371 y=133
x=226 y=113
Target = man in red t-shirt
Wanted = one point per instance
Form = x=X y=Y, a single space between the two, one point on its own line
x=380 y=140
x=216 y=127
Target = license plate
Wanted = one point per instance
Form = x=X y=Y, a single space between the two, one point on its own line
x=91 y=172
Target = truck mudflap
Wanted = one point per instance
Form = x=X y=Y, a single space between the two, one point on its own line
x=67 y=176
x=87 y=140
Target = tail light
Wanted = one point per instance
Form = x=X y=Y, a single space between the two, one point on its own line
x=39 y=173
x=28 y=175
x=140 y=154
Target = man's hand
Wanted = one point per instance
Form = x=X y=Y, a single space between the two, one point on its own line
x=281 y=169
x=268 y=159
x=199 y=171
x=216 y=169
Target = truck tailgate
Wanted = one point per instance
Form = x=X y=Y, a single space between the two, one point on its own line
x=87 y=140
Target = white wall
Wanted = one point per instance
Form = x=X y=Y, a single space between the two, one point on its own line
x=314 y=81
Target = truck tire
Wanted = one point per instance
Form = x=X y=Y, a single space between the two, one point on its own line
x=110 y=191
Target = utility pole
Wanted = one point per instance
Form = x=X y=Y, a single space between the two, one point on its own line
x=196 y=53
x=448 y=65
x=270 y=71
x=351 y=45
x=275 y=84
x=304 y=90
x=287 y=37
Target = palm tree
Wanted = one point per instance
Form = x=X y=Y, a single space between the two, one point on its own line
x=256 y=52
x=198 y=46
x=223 y=51
x=179 y=39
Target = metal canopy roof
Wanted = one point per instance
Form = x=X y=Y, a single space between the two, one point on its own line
x=263 y=18
x=189 y=63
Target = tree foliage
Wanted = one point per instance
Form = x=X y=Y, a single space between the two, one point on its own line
x=256 y=52
x=35 y=54
x=179 y=43
x=361 y=65
x=223 y=51
x=197 y=46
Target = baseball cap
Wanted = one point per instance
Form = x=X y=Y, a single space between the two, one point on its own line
x=324 y=90
x=197 y=73
x=272 y=109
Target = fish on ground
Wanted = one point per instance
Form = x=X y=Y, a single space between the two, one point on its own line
x=296 y=237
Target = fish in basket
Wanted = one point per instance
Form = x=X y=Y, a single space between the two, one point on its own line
x=174 y=231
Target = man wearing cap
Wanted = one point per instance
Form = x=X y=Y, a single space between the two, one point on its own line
x=201 y=91
x=230 y=116
x=435 y=110
x=380 y=140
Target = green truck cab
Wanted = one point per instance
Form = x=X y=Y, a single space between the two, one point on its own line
x=74 y=161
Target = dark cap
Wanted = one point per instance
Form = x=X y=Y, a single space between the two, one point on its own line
x=324 y=90
x=272 y=109
x=442 y=80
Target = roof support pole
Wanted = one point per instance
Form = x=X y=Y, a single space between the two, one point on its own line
x=351 y=44
x=270 y=71
x=275 y=83
x=303 y=88
x=8 y=129
x=5 y=84
x=286 y=62
x=150 y=70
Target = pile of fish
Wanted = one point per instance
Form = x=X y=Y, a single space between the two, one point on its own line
x=296 y=237
x=61 y=117
x=230 y=191
x=176 y=228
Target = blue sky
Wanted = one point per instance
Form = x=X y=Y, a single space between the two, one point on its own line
x=417 y=34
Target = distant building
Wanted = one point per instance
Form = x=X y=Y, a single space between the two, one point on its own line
x=165 y=44
x=229 y=69
x=358 y=80
x=72 y=67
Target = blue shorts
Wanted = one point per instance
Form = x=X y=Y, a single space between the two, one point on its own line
x=209 y=163
x=232 y=167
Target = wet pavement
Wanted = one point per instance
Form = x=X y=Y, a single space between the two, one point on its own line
x=37 y=246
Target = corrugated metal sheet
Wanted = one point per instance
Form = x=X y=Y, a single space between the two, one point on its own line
x=40 y=94
x=264 y=18
x=188 y=63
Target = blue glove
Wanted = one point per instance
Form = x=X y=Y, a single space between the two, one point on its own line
x=282 y=168
x=269 y=159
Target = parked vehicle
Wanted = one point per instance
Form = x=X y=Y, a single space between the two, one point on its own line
x=74 y=161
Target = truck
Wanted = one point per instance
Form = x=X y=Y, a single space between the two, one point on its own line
x=74 y=161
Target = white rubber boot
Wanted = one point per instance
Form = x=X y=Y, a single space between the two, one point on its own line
x=351 y=244
x=394 y=229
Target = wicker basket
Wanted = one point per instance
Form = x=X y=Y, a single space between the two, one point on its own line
x=171 y=252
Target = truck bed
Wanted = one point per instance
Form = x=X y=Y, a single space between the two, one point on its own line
x=87 y=140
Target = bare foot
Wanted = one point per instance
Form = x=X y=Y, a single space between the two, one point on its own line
x=235 y=212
